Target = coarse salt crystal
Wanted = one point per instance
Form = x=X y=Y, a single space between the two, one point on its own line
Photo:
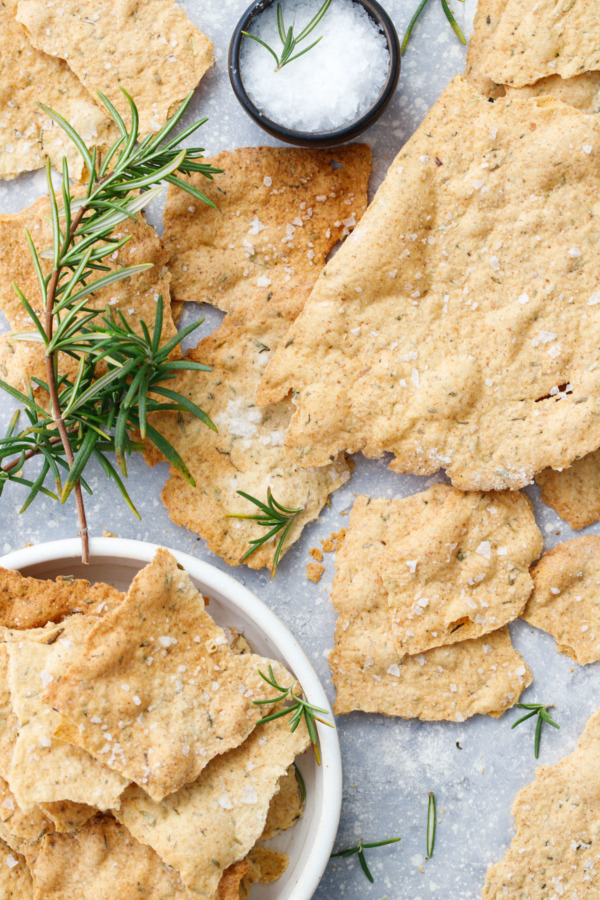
x=485 y=549
x=412 y=565
x=166 y=641
x=394 y=669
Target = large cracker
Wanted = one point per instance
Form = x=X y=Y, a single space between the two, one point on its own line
x=44 y=768
x=456 y=565
x=574 y=492
x=566 y=598
x=158 y=676
x=485 y=675
x=208 y=825
x=557 y=818
x=581 y=91
x=279 y=213
x=27 y=134
x=136 y=297
x=15 y=880
x=148 y=47
x=433 y=333
x=517 y=42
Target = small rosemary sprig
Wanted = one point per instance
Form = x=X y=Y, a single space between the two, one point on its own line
x=299 y=709
x=447 y=12
x=272 y=515
x=541 y=711
x=430 y=824
x=359 y=849
x=289 y=40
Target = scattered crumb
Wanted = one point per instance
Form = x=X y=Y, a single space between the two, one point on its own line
x=107 y=533
x=314 y=572
x=334 y=541
x=316 y=554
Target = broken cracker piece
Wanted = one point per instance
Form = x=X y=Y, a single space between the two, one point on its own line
x=581 y=91
x=15 y=879
x=574 y=492
x=314 y=572
x=316 y=554
x=265 y=866
x=286 y=807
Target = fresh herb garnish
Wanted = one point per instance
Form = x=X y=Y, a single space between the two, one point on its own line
x=272 y=515
x=298 y=709
x=447 y=12
x=541 y=711
x=119 y=373
x=430 y=824
x=289 y=39
x=359 y=849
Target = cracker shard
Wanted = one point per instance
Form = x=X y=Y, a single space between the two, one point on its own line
x=206 y=826
x=149 y=47
x=575 y=492
x=556 y=822
x=482 y=675
x=158 y=665
x=432 y=266
x=15 y=880
x=565 y=598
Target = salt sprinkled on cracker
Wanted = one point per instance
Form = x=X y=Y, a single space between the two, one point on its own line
x=15 y=880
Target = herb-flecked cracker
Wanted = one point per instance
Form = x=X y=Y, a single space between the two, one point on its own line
x=27 y=134
x=520 y=41
x=148 y=47
x=15 y=879
x=566 y=598
x=574 y=492
x=433 y=333
x=158 y=676
x=206 y=826
x=484 y=675
x=581 y=91
x=456 y=565
x=554 y=851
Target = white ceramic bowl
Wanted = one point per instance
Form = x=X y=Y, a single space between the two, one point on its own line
x=115 y=561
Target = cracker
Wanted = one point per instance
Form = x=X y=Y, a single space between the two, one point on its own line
x=27 y=134
x=581 y=91
x=45 y=769
x=517 y=42
x=230 y=884
x=9 y=725
x=557 y=817
x=435 y=335
x=484 y=675
x=33 y=602
x=101 y=860
x=279 y=213
x=314 y=572
x=574 y=492
x=158 y=676
x=148 y=47
x=566 y=598
x=15 y=880
x=485 y=20
x=286 y=807
x=30 y=826
x=265 y=866
x=208 y=825
x=455 y=565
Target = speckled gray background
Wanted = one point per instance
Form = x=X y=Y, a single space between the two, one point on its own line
x=389 y=765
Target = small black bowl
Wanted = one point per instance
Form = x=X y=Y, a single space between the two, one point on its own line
x=347 y=132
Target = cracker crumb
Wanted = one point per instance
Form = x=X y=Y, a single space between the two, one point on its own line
x=314 y=572
x=316 y=554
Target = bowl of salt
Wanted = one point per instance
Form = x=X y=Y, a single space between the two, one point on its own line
x=314 y=73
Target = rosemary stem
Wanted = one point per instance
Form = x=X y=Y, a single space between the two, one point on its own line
x=29 y=455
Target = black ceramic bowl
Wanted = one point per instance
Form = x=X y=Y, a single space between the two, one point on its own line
x=347 y=132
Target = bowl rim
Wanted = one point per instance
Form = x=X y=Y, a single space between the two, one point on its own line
x=329 y=811
x=334 y=136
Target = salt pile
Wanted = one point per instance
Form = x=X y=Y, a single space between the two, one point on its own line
x=330 y=86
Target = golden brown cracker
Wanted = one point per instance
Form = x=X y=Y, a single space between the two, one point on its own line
x=286 y=807
x=15 y=879
x=210 y=824
x=158 y=676
x=265 y=866
x=455 y=565
x=485 y=21
x=148 y=47
x=581 y=91
x=314 y=572
x=231 y=880
x=28 y=826
x=574 y=492
x=553 y=852
x=435 y=335
x=566 y=598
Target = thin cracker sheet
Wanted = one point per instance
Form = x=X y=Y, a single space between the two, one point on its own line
x=557 y=817
x=27 y=827
x=484 y=675
x=136 y=296
x=456 y=565
x=574 y=492
x=208 y=825
x=27 y=134
x=156 y=691
x=44 y=768
x=264 y=866
x=286 y=807
x=433 y=333
x=566 y=598
x=15 y=879
x=280 y=213
x=517 y=42
x=148 y=47
x=581 y=91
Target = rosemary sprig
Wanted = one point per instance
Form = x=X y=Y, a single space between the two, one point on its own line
x=447 y=12
x=359 y=849
x=541 y=711
x=289 y=39
x=272 y=515
x=119 y=373
x=299 y=709
x=430 y=824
